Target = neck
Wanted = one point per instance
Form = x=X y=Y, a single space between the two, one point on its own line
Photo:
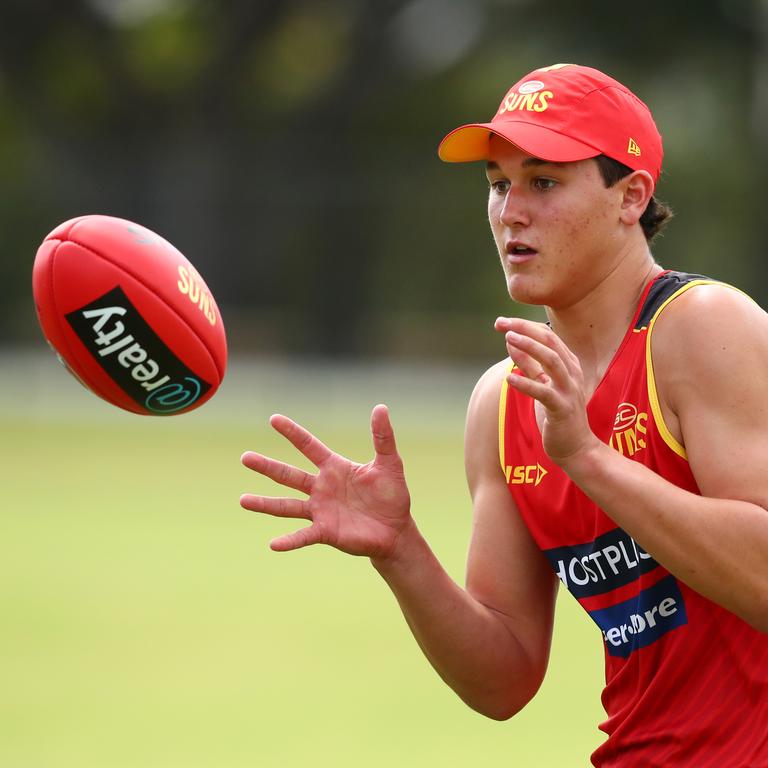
x=593 y=327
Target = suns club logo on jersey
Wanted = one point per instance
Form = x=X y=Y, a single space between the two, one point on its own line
x=134 y=356
x=629 y=430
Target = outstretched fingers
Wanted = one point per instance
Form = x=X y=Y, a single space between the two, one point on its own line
x=291 y=477
x=287 y=508
x=304 y=537
x=285 y=474
x=277 y=506
x=303 y=440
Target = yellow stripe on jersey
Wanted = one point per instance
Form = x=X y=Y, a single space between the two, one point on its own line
x=503 y=418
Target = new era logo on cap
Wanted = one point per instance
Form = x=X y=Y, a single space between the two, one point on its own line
x=564 y=113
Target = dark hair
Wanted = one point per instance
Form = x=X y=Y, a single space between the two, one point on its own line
x=656 y=213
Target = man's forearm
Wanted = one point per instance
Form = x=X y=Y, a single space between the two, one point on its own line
x=470 y=645
x=719 y=547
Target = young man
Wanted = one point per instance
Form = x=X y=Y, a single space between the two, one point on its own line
x=622 y=451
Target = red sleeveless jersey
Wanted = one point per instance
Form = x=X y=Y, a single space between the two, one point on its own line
x=686 y=680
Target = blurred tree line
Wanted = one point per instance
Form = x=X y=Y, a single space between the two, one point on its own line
x=288 y=147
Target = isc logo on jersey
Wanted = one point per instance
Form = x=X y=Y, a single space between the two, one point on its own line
x=525 y=474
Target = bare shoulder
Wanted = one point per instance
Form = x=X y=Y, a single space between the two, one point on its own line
x=708 y=331
x=481 y=436
x=709 y=319
x=487 y=391
x=710 y=357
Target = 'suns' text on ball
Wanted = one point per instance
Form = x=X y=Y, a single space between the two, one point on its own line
x=191 y=285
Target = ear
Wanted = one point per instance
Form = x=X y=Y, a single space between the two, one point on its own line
x=637 y=190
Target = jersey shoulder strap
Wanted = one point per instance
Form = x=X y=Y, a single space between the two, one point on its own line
x=665 y=286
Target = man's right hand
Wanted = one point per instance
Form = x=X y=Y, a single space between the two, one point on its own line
x=360 y=509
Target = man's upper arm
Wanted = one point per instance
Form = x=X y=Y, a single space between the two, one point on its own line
x=506 y=571
x=710 y=350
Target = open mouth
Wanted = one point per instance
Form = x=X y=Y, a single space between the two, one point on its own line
x=520 y=249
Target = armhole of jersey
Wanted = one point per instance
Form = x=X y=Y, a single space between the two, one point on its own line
x=503 y=419
x=653 y=394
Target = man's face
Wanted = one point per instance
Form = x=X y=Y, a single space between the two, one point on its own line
x=556 y=225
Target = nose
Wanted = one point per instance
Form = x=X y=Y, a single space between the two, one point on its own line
x=514 y=210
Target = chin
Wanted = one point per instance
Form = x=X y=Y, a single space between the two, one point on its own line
x=527 y=292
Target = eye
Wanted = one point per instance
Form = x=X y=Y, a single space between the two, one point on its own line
x=499 y=186
x=543 y=183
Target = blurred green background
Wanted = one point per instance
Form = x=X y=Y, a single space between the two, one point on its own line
x=145 y=622
x=288 y=148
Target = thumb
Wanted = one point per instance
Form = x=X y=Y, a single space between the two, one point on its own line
x=383 y=436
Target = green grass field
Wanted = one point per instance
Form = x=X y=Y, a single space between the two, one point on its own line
x=146 y=623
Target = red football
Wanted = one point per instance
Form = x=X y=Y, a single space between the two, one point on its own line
x=129 y=316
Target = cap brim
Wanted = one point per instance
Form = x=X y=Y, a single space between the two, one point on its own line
x=469 y=143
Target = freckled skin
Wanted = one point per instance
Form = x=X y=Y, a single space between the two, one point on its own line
x=565 y=212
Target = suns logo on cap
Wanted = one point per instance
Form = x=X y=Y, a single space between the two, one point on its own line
x=632 y=148
x=529 y=101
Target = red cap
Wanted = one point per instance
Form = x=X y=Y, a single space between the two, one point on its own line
x=564 y=113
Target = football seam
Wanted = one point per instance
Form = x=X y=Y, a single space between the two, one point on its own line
x=157 y=296
x=59 y=319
